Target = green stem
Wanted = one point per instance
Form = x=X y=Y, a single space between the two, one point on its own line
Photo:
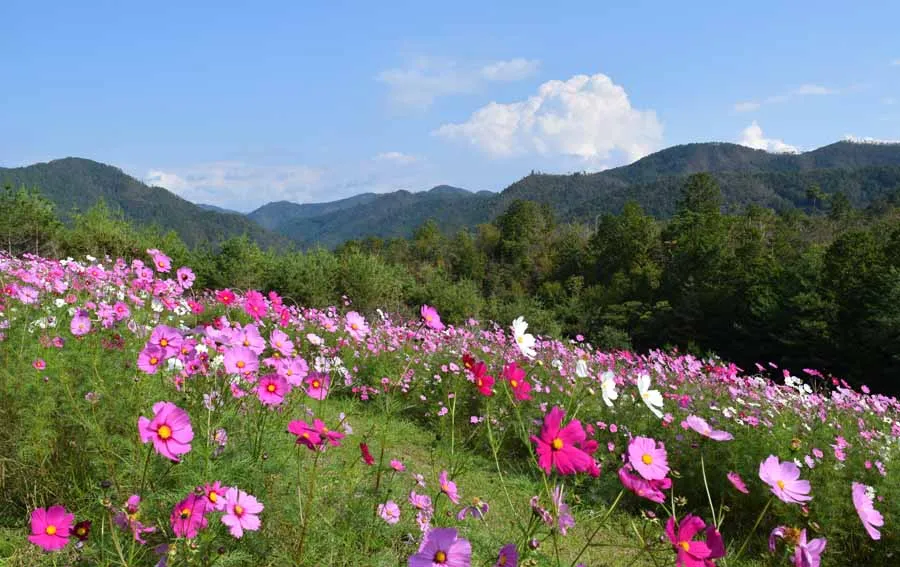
x=712 y=508
x=599 y=525
x=752 y=531
x=309 y=500
x=144 y=473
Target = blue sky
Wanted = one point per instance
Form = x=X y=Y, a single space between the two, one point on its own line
x=238 y=103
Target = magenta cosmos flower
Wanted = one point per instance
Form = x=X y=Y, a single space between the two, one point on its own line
x=432 y=318
x=441 y=547
x=701 y=426
x=871 y=518
x=508 y=556
x=737 y=482
x=317 y=385
x=189 y=516
x=557 y=447
x=306 y=434
x=51 y=527
x=241 y=512
x=650 y=489
x=784 y=478
x=648 y=457
x=809 y=554
x=272 y=389
x=689 y=553
x=170 y=430
x=516 y=378
x=150 y=358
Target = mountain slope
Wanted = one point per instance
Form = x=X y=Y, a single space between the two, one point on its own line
x=77 y=184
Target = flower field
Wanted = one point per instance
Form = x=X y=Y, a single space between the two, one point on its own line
x=149 y=423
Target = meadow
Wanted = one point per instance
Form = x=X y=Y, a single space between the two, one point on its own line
x=146 y=422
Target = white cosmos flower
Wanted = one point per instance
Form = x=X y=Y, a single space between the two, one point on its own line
x=525 y=341
x=581 y=368
x=652 y=398
x=608 y=387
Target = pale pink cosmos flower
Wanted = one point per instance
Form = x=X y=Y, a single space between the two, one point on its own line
x=784 y=478
x=448 y=487
x=648 y=457
x=432 y=318
x=702 y=427
x=809 y=554
x=397 y=465
x=241 y=512
x=356 y=325
x=317 y=384
x=442 y=546
x=240 y=360
x=864 y=504
x=389 y=512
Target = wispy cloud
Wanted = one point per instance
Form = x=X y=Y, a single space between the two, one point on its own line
x=424 y=79
x=585 y=117
x=895 y=63
x=753 y=137
x=244 y=186
x=799 y=92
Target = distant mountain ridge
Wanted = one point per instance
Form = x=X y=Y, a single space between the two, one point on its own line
x=77 y=184
x=864 y=172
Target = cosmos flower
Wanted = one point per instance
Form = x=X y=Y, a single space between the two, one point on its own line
x=652 y=398
x=784 y=478
x=50 y=527
x=557 y=446
x=241 y=512
x=169 y=430
x=870 y=517
x=648 y=457
x=442 y=546
x=525 y=341
x=432 y=318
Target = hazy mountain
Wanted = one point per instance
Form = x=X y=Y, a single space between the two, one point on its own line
x=76 y=184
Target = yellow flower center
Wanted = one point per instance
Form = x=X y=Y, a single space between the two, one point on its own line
x=780 y=484
x=213 y=497
x=154 y=361
x=79 y=531
x=185 y=513
x=647 y=459
x=514 y=383
x=240 y=364
x=161 y=264
x=557 y=444
x=163 y=343
x=440 y=557
x=502 y=561
x=270 y=387
x=520 y=339
x=164 y=432
x=246 y=342
x=685 y=546
x=50 y=530
x=238 y=510
x=316 y=383
x=354 y=326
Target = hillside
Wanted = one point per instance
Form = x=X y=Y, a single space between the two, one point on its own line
x=76 y=184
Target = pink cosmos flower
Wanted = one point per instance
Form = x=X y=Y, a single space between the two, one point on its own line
x=161 y=262
x=420 y=501
x=281 y=342
x=736 y=481
x=366 y=455
x=317 y=385
x=306 y=434
x=255 y=304
x=272 y=389
x=225 y=296
x=397 y=465
x=214 y=494
x=508 y=556
x=809 y=554
x=127 y=519
x=648 y=457
x=650 y=489
x=150 y=358
x=701 y=426
x=558 y=446
x=166 y=338
x=389 y=512
x=870 y=517
x=294 y=370
x=448 y=487
x=185 y=277
x=170 y=430
x=81 y=323
x=51 y=528
x=432 y=318
x=332 y=437
x=188 y=516
x=241 y=512
x=442 y=546
x=39 y=364
x=516 y=378
x=240 y=360
x=478 y=510
x=689 y=553
x=784 y=477
x=356 y=325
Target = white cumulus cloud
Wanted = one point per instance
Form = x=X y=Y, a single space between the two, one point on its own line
x=587 y=117
x=424 y=79
x=753 y=137
x=396 y=157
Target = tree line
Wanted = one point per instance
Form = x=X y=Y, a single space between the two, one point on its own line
x=817 y=289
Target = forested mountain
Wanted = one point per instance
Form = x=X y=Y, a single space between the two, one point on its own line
x=75 y=184
x=863 y=173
